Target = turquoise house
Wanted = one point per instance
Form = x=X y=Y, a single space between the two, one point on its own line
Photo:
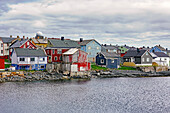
x=92 y=47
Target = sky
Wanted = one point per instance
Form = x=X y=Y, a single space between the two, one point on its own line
x=131 y=22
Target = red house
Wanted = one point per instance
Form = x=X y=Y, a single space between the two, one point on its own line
x=76 y=60
x=57 y=47
x=2 y=64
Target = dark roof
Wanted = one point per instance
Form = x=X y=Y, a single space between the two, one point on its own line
x=160 y=54
x=7 y=39
x=85 y=42
x=64 y=43
x=25 y=52
x=134 y=53
x=161 y=48
x=109 y=55
x=18 y=43
x=110 y=47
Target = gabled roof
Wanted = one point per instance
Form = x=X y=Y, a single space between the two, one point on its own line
x=40 y=41
x=160 y=54
x=85 y=42
x=109 y=55
x=70 y=51
x=18 y=43
x=64 y=43
x=7 y=39
x=134 y=53
x=25 y=52
x=160 y=47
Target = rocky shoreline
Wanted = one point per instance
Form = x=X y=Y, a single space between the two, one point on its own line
x=45 y=76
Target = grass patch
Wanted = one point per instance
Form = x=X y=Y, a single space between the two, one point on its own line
x=7 y=65
x=95 y=67
x=126 y=68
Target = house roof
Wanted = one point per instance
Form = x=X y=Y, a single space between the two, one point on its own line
x=70 y=51
x=41 y=41
x=133 y=53
x=64 y=43
x=109 y=55
x=25 y=52
x=18 y=43
x=160 y=54
x=85 y=42
x=161 y=48
x=110 y=47
x=7 y=39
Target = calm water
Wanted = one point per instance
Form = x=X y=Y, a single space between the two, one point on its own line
x=112 y=95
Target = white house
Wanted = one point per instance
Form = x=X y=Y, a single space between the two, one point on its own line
x=160 y=58
x=29 y=59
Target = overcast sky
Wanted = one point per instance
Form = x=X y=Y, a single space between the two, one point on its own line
x=131 y=22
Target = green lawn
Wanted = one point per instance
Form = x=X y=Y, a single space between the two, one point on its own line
x=95 y=67
x=126 y=68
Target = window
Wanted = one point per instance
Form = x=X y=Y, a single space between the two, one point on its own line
x=22 y=59
x=1 y=51
x=48 y=51
x=165 y=58
x=49 y=57
x=42 y=59
x=147 y=59
x=60 y=57
x=24 y=46
x=146 y=53
x=112 y=61
x=93 y=42
x=100 y=55
x=27 y=43
x=42 y=67
x=102 y=60
x=1 y=45
x=59 y=51
x=89 y=47
x=55 y=57
x=32 y=59
x=97 y=47
x=53 y=51
x=143 y=59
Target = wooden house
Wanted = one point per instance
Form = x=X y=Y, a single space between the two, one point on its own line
x=92 y=47
x=158 y=48
x=139 y=57
x=75 y=60
x=29 y=59
x=56 y=47
x=160 y=58
x=111 y=49
x=109 y=60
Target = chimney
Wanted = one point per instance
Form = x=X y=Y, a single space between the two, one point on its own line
x=138 y=50
x=148 y=47
x=62 y=38
x=159 y=45
x=81 y=39
x=125 y=45
x=143 y=46
x=104 y=44
x=23 y=37
x=166 y=49
x=10 y=36
x=17 y=36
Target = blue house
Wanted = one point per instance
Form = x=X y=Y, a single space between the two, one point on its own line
x=158 y=48
x=109 y=60
x=92 y=47
x=29 y=59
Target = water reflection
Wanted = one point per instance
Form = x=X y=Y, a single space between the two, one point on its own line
x=112 y=95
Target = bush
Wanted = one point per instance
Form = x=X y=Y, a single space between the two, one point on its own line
x=130 y=64
x=154 y=64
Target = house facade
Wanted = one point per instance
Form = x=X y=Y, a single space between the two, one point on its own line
x=29 y=59
x=123 y=50
x=92 y=47
x=158 y=48
x=109 y=60
x=75 y=60
x=56 y=47
x=5 y=42
x=139 y=57
x=161 y=58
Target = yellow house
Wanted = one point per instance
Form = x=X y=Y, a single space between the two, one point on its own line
x=40 y=42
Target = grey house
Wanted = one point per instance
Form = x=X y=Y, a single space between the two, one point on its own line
x=139 y=57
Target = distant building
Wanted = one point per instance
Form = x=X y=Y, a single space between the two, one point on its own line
x=158 y=48
x=56 y=47
x=39 y=42
x=92 y=47
x=109 y=60
x=139 y=57
x=75 y=60
x=39 y=35
x=111 y=49
x=29 y=59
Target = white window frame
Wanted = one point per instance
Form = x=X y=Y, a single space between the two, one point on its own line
x=33 y=58
x=89 y=47
x=55 y=58
x=28 y=43
x=147 y=59
x=143 y=59
x=101 y=60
